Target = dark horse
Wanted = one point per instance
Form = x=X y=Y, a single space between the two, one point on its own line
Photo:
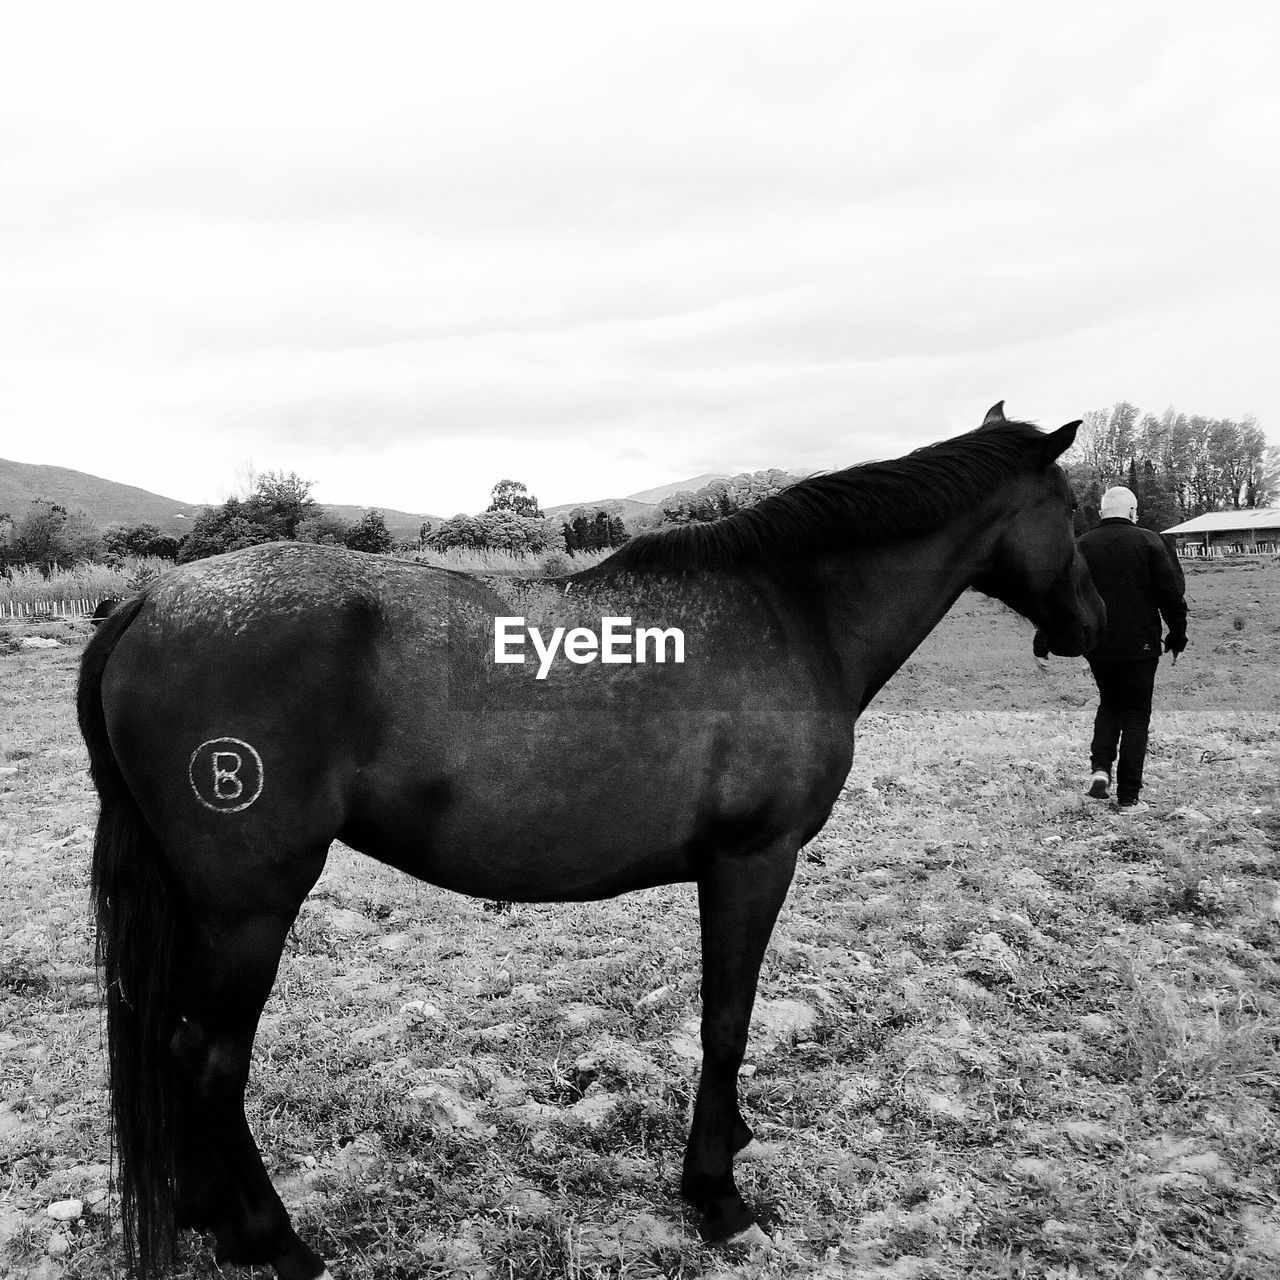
x=243 y=712
x=104 y=610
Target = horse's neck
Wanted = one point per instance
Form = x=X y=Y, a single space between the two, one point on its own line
x=882 y=601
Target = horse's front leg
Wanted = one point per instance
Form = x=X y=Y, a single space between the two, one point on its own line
x=739 y=896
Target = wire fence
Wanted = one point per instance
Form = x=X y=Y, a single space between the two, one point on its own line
x=80 y=608
x=1198 y=551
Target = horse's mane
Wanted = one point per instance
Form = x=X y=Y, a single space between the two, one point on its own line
x=870 y=503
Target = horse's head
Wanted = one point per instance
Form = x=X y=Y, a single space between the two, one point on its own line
x=1034 y=566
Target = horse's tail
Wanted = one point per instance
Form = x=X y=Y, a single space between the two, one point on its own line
x=135 y=905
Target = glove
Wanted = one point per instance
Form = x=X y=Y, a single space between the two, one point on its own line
x=1040 y=646
x=1175 y=643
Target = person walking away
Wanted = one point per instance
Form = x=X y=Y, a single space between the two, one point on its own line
x=1134 y=576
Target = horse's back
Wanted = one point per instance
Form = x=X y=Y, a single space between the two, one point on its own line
x=270 y=584
x=317 y=693
x=244 y=696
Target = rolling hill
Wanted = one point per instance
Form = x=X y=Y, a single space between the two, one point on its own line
x=656 y=495
x=628 y=508
x=642 y=503
x=404 y=525
x=108 y=502
x=103 y=501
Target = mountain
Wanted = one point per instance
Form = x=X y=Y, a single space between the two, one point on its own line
x=628 y=508
x=638 y=504
x=646 y=501
x=107 y=502
x=103 y=501
x=654 y=496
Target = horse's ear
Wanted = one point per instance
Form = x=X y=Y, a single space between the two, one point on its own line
x=1056 y=443
x=995 y=414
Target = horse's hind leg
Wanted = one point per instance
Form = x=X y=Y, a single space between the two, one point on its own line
x=229 y=966
x=739 y=896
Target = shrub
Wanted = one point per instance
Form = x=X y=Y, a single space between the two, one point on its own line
x=722 y=497
x=326 y=528
x=370 y=533
x=122 y=541
x=495 y=530
x=47 y=536
x=593 y=529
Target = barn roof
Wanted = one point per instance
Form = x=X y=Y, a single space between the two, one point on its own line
x=1223 y=521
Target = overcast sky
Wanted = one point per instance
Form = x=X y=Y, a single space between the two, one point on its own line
x=410 y=250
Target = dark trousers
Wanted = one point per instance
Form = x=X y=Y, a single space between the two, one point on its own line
x=1124 y=714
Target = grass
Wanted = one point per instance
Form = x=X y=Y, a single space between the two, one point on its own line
x=1044 y=1041
x=83 y=582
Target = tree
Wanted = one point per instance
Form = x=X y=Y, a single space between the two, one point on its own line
x=1157 y=504
x=722 y=497
x=217 y=530
x=280 y=506
x=6 y=544
x=501 y=530
x=281 y=501
x=48 y=535
x=1178 y=465
x=129 y=540
x=514 y=496
x=370 y=533
x=145 y=539
x=1262 y=486
x=1105 y=443
x=458 y=531
x=516 y=533
x=166 y=547
x=1089 y=451
x=594 y=528
x=325 y=527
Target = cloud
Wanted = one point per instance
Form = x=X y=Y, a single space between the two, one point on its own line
x=680 y=237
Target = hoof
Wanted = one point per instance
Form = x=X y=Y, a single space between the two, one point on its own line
x=750 y=1240
x=716 y=1228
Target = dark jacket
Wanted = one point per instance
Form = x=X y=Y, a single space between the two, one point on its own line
x=1139 y=585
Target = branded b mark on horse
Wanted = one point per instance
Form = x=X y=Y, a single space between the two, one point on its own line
x=367 y=688
x=226 y=774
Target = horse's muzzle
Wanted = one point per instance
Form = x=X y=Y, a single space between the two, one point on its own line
x=1079 y=637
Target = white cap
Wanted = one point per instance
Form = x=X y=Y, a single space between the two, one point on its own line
x=1119 y=501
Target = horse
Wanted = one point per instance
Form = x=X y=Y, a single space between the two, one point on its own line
x=243 y=712
x=103 y=611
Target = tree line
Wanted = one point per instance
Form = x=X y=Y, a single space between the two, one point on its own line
x=1178 y=465
x=47 y=535
x=515 y=522
x=280 y=508
x=722 y=497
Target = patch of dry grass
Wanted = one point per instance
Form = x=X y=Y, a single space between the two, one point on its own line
x=83 y=582
x=1043 y=1039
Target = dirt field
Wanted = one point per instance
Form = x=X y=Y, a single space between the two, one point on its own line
x=1003 y=1031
